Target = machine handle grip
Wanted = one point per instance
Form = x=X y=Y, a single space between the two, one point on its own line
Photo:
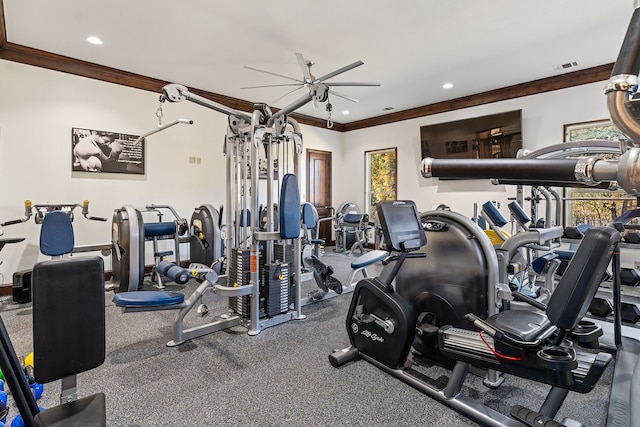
x=531 y=301
x=628 y=61
x=13 y=221
x=96 y=218
x=417 y=255
x=482 y=325
x=389 y=259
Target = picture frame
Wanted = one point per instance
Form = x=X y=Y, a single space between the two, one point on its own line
x=97 y=151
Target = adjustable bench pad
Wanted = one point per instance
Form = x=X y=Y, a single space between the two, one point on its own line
x=147 y=299
x=68 y=317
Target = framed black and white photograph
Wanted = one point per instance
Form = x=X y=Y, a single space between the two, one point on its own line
x=102 y=151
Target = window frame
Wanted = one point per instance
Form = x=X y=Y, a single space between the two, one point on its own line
x=572 y=196
x=369 y=207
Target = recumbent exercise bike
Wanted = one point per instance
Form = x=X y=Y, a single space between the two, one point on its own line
x=536 y=345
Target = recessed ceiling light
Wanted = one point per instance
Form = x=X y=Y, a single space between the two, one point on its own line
x=346 y=112
x=94 y=40
x=447 y=86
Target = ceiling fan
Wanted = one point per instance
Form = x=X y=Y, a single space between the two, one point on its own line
x=318 y=87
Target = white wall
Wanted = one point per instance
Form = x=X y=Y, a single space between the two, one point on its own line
x=543 y=118
x=39 y=107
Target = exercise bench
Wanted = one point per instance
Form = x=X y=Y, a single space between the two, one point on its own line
x=68 y=329
x=140 y=301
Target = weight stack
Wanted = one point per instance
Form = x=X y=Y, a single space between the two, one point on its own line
x=21 y=288
x=283 y=252
x=240 y=274
x=277 y=288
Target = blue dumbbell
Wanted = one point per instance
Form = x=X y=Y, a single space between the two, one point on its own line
x=19 y=422
x=37 y=389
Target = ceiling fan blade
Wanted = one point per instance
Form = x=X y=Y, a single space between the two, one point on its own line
x=339 y=71
x=333 y=92
x=274 y=74
x=285 y=95
x=353 y=84
x=304 y=67
x=282 y=85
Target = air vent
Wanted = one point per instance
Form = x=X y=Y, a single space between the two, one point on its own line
x=387 y=109
x=565 y=66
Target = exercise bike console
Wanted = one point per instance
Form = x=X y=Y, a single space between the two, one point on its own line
x=401 y=226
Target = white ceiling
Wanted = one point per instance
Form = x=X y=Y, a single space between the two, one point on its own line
x=412 y=47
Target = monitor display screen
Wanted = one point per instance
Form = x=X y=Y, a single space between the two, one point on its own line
x=401 y=225
x=494 y=136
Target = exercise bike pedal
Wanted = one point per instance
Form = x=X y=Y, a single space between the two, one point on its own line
x=334 y=285
x=533 y=418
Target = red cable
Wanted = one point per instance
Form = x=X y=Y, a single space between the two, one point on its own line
x=500 y=355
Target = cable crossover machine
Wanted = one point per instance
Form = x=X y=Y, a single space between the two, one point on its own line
x=262 y=246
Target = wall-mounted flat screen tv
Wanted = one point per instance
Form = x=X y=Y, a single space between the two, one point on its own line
x=494 y=136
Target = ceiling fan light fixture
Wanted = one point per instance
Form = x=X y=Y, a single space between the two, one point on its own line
x=447 y=85
x=346 y=112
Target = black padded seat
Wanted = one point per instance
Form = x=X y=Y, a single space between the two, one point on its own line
x=570 y=301
x=68 y=317
x=86 y=412
x=524 y=325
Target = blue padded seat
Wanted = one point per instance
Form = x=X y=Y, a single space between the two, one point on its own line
x=369 y=258
x=539 y=263
x=519 y=213
x=352 y=218
x=310 y=219
x=56 y=237
x=245 y=218
x=147 y=299
x=495 y=216
x=156 y=229
x=289 y=207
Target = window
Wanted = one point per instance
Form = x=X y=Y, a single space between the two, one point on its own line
x=596 y=207
x=381 y=172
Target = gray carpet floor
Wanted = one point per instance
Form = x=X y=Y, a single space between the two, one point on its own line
x=281 y=377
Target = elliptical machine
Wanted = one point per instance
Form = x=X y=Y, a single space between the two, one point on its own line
x=532 y=344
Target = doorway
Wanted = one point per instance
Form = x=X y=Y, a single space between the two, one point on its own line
x=319 y=189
